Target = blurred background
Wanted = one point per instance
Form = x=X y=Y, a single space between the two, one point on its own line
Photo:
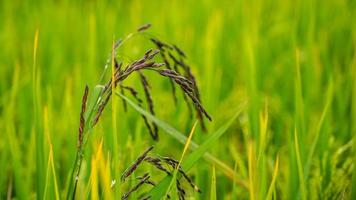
x=294 y=62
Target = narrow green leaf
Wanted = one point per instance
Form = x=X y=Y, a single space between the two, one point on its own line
x=213 y=185
x=300 y=166
x=273 y=182
x=318 y=131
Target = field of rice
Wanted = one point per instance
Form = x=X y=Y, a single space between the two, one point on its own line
x=178 y=99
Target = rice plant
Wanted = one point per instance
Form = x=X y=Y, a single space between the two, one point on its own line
x=89 y=118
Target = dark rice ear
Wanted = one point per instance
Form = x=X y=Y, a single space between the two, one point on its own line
x=134 y=165
x=191 y=77
x=144 y=179
x=190 y=110
x=174 y=95
x=149 y=100
x=134 y=93
x=156 y=162
x=168 y=66
x=188 y=88
x=101 y=108
x=82 y=119
x=144 y=27
x=117 y=65
x=151 y=53
x=149 y=182
x=174 y=164
x=180 y=190
x=202 y=123
x=178 y=62
x=179 y=51
x=161 y=45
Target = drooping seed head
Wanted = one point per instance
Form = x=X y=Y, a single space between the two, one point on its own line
x=144 y=27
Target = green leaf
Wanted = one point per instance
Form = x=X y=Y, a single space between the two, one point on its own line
x=302 y=184
x=213 y=185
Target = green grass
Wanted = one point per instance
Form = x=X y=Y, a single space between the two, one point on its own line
x=294 y=63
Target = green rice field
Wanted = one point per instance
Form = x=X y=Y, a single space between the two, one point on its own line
x=277 y=78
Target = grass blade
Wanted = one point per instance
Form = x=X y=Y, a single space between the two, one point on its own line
x=318 y=131
x=40 y=176
x=300 y=167
x=213 y=185
x=251 y=171
x=273 y=183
